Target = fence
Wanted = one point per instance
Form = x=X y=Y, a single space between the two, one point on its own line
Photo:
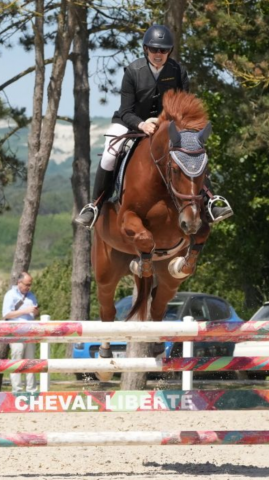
x=132 y=401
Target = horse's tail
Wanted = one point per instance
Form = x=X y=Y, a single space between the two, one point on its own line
x=140 y=307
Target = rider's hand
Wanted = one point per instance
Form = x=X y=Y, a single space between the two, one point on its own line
x=148 y=128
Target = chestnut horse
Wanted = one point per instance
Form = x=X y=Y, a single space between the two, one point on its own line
x=157 y=229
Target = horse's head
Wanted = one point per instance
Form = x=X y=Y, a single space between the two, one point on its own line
x=187 y=131
x=185 y=174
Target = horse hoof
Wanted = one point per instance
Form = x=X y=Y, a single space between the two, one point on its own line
x=158 y=349
x=141 y=268
x=104 y=376
x=175 y=268
x=105 y=352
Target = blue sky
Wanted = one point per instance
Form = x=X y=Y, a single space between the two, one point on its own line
x=20 y=94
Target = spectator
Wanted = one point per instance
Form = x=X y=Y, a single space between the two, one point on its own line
x=20 y=304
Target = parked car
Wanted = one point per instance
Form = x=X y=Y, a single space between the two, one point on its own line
x=201 y=306
x=262 y=313
x=255 y=348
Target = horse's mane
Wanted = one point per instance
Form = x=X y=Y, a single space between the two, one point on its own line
x=185 y=109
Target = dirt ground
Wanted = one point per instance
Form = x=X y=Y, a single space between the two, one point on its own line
x=135 y=463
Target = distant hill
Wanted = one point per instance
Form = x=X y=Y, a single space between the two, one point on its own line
x=63 y=145
x=53 y=236
x=57 y=192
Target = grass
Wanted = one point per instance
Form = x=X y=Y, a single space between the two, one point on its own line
x=69 y=383
x=53 y=239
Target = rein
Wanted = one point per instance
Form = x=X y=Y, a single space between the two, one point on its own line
x=116 y=138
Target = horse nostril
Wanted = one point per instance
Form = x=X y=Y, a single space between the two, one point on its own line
x=183 y=225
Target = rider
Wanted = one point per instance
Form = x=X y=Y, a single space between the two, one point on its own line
x=144 y=82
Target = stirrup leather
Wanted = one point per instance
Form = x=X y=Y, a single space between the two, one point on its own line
x=95 y=210
x=212 y=201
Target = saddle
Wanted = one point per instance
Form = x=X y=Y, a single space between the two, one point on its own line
x=124 y=154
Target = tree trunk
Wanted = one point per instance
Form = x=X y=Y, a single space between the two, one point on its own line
x=42 y=131
x=253 y=297
x=174 y=20
x=81 y=279
x=131 y=380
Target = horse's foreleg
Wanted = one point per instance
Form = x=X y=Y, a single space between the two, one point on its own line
x=136 y=234
x=183 y=267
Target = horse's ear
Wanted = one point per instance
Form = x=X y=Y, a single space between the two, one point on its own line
x=174 y=134
x=204 y=134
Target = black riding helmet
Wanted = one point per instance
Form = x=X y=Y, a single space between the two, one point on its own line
x=158 y=36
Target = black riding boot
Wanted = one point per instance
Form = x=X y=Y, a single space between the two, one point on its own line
x=102 y=190
x=214 y=212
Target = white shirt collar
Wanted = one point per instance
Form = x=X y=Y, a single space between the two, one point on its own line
x=156 y=72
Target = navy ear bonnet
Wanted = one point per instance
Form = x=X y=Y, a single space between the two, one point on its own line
x=191 y=158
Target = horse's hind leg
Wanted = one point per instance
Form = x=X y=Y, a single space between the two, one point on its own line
x=109 y=267
x=141 y=239
x=165 y=290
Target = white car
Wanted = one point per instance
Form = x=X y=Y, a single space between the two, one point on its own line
x=255 y=349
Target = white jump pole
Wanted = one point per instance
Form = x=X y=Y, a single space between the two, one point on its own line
x=44 y=353
x=67 y=439
x=187 y=352
x=74 y=331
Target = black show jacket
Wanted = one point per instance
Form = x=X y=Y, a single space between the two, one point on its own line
x=141 y=93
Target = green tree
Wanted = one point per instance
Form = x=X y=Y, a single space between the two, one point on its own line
x=52 y=287
x=225 y=48
x=11 y=168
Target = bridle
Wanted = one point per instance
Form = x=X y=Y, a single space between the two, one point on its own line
x=186 y=200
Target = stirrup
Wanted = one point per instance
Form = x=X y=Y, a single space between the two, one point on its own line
x=95 y=210
x=212 y=201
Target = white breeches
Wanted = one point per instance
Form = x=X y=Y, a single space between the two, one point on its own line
x=109 y=156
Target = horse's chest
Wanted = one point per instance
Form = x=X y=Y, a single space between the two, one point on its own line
x=157 y=213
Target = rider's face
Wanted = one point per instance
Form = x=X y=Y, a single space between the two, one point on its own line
x=157 y=56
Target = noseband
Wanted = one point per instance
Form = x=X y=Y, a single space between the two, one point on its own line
x=186 y=200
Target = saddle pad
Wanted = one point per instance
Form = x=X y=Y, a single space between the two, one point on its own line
x=122 y=168
x=120 y=176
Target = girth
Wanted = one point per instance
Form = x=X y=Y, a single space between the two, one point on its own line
x=163 y=253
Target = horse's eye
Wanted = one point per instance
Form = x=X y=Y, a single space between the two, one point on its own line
x=175 y=170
